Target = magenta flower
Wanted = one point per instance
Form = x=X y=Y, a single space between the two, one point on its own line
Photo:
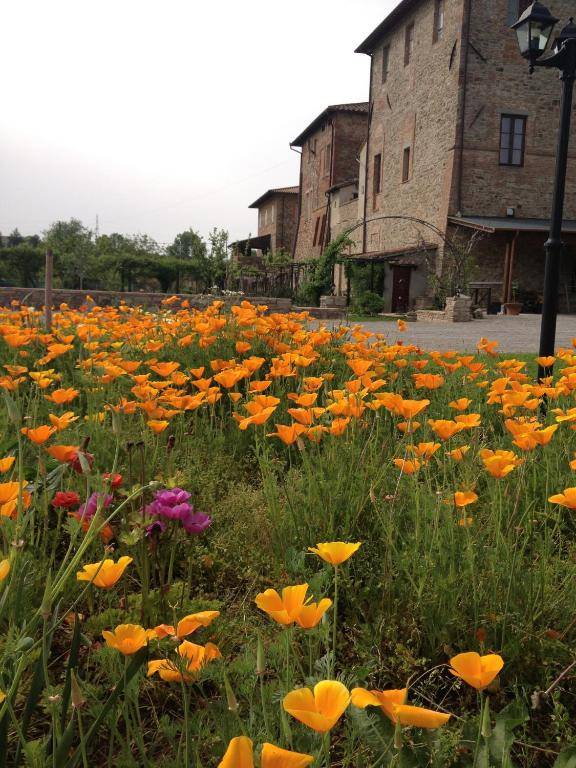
x=173 y=504
x=95 y=500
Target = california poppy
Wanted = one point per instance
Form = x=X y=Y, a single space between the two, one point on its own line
x=565 y=499
x=127 y=638
x=104 y=574
x=321 y=708
x=478 y=671
x=335 y=552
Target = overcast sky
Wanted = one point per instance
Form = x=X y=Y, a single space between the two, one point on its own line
x=159 y=115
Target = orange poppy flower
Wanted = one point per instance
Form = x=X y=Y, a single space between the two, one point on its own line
x=321 y=708
x=63 y=453
x=566 y=499
x=445 y=429
x=464 y=498
x=288 y=434
x=38 y=435
x=478 y=671
x=127 y=638
x=62 y=422
x=157 y=426
x=335 y=552
x=61 y=396
x=9 y=495
x=104 y=574
x=7 y=463
x=407 y=466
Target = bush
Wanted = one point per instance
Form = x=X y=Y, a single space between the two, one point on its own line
x=368 y=303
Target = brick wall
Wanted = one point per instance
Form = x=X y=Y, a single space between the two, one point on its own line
x=415 y=108
x=345 y=132
x=498 y=82
x=277 y=217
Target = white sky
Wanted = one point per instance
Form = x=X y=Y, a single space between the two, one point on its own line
x=158 y=115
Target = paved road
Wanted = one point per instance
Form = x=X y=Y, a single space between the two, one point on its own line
x=515 y=334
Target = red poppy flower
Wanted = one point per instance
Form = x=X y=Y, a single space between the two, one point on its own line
x=75 y=461
x=115 y=480
x=66 y=499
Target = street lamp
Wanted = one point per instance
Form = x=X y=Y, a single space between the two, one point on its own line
x=534 y=29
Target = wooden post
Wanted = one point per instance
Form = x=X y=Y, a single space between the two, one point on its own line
x=506 y=280
x=48 y=290
x=511 y=266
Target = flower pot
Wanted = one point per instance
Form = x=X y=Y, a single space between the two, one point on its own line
x=512 y=308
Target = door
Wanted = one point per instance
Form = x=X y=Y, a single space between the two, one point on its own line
x=400 y=289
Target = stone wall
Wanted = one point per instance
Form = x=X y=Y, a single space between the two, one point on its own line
x=458 y=310
x=415 y=108
x=76 y=299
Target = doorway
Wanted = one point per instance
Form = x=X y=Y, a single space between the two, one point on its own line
x=400 y=288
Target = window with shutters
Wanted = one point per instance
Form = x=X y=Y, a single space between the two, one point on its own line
x=512 y=140
x=316 y=231
x=406 y=164
x=515 y=9
x=377 y=180
x=408 y=44
x=385 y=62
x=322 y=231
x=439 y=18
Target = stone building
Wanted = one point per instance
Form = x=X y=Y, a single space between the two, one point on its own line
x=277 y=219
x=330 y=148
x=461 y=142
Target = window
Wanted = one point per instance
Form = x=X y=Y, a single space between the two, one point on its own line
x=515 y=9
x=385 y=62
x=272 y=214
x=439 y=11
x=406 y=164
x=322 y=231
x=408 y=44
x=377 y=186
x=512 y=140
x=261 y=218
x=327 y=160
x=316 y=231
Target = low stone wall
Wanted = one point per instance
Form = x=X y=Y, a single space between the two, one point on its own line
x=458 y=310
x=76 y=299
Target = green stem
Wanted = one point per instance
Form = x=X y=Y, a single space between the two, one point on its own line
x=334 y=624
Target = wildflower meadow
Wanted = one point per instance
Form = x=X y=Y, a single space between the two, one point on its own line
x=234 y=538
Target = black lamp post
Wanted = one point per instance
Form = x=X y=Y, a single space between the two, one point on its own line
x=534 y=29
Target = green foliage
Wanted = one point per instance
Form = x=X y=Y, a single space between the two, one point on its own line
x=368 y=303
x=320 y=281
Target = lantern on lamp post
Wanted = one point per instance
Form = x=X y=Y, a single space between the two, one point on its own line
x=534 y=30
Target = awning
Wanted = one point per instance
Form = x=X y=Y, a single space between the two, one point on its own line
x=409 y=257
x=508 y=224
x=261 y=243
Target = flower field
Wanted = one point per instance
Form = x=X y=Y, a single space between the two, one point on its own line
x=232 y=538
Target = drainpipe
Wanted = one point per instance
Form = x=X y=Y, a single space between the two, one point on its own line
x=301 y=153
x=364 y=232
x=465 y=41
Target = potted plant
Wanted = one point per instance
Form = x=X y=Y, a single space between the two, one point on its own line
x=513 y=307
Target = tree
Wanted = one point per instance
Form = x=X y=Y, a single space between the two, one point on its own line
x=218 y=256
x=74 y=251
x=21 y=264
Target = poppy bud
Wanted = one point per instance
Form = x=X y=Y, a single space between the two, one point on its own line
x=231 y=699
x=78 y=699
x=170 y=443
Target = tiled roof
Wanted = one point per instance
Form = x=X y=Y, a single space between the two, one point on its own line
x=360 y=107
x=277 y=191
x=374 y=38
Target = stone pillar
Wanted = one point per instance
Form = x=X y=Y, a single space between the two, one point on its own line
x=458 y=309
